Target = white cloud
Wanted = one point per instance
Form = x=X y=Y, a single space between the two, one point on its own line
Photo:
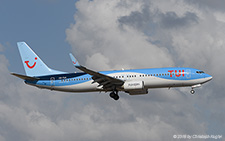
x=220 y=16
x=97 y=31
x=97 y=61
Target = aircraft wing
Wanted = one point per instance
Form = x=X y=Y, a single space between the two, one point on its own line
x=107 y=82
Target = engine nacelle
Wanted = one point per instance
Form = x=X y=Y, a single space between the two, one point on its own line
x=133 y=85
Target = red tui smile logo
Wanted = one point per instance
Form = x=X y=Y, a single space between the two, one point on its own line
x=31 y=67
x=75 y=62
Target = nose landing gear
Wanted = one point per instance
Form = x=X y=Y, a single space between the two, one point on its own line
x=194 y=86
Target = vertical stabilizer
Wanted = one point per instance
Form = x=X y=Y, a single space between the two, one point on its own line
x=33 y=65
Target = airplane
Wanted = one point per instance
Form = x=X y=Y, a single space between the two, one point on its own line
x=133 y=81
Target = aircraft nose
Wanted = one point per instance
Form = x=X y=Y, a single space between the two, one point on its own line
x=208 y=77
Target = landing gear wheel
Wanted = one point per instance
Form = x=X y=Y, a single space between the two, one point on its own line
x=114 y=95
x=192 y=91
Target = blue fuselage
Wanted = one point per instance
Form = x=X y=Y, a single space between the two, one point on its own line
x=152 y=78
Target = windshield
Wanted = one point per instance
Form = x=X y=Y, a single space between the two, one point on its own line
x=199 y=72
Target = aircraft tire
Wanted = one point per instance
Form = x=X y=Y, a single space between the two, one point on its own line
x=114 y=96
x=192 y=91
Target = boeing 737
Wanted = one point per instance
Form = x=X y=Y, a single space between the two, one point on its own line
x=133 y=82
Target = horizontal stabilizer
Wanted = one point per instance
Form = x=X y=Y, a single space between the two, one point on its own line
x=24 y=77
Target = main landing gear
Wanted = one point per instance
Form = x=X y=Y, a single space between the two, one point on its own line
x=114 y=95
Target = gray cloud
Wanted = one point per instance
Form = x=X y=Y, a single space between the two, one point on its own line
x=171 y=20
x=157 y=26
x=138 y=19
x=147 y=20
x=217 y=5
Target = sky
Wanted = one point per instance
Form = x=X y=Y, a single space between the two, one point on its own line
x=116 y=34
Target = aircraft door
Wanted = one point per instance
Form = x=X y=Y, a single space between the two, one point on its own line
x=124 y=77
x=52 y=81
x=188 y=73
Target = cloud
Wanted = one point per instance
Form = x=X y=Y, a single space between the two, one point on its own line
x=96 y=31
x=98 y=61
x=208 y=4
x=147 y=20
x=171 y=20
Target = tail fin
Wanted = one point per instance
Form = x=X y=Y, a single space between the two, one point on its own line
x=33 y=65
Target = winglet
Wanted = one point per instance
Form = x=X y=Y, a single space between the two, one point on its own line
x=74 y=60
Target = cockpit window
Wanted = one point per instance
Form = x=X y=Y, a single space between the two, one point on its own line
x=199 y=72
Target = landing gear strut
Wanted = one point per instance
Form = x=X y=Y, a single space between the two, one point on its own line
x=114 y=95
x=192 y=91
